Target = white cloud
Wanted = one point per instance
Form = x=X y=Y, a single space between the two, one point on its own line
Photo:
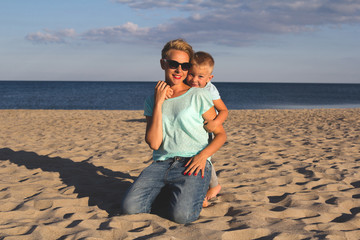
x=228 y=22
x=40 y=37
x=49 y=36
x=125 y=33
x=66 y=33
x=149 y=4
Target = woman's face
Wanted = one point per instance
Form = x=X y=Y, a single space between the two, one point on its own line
x=175 y=76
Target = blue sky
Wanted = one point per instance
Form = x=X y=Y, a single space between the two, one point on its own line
x=121 y=40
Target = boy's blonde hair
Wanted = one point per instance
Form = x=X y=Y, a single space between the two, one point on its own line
x=203 y=58
x=177 y=44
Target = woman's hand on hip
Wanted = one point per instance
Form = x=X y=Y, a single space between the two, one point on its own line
x=195 y=165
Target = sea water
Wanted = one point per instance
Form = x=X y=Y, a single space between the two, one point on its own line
x=131 y=95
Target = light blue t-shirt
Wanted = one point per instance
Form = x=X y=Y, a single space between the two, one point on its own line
x=215 y=95
x=183 y=131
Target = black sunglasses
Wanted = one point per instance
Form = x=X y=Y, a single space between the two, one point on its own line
x=174 y=64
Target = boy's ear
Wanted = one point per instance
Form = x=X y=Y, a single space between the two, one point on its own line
x=209 y=79
x=162 y=64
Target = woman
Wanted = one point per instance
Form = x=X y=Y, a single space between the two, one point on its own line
x=176 y=134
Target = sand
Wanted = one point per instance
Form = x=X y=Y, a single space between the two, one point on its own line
x=285 y=174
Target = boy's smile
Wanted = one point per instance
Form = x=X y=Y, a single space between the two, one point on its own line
x=199 y=76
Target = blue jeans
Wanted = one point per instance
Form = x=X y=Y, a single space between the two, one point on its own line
x=186 y=193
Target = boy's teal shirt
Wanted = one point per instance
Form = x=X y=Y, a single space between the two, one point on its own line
x=183 y=125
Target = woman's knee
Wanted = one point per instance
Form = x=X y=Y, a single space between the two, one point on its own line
x=183 y=217
x=132 y=204
x=185 y=214
x=128 y=207
x=131 y=207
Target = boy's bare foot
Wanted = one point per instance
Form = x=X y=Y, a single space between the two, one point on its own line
x=205 y=203
x=212 y=192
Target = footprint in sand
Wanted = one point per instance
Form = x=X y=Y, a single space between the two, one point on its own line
x=332 y=201
x=276 y=199
x=43 y=204
x=356 y=184
x=347 y=217
x=356 y=196
x=305 y=172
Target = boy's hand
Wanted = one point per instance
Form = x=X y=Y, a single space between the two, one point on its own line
x=210 y=126
x=169 y=93
x=195 y=165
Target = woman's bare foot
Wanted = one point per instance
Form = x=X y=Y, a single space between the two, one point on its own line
x=212 y=192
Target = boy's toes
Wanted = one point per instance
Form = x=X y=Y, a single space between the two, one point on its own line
x=205 y=203
x=213 y=192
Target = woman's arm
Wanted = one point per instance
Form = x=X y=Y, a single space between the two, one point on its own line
x=154 y=134
x=198 y=162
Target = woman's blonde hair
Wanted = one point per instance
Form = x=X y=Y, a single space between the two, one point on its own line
x=177 y=44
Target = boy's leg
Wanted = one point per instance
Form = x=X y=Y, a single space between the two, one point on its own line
x=214 y=180
x=214 y=187
x=145 y=189
x=187 y=193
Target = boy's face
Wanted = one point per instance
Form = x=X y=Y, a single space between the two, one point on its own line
x=175 y=76
x=199 y=76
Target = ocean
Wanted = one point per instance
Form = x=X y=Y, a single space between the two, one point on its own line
x=131 y=95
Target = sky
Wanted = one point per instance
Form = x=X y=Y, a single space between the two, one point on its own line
x=313 y=41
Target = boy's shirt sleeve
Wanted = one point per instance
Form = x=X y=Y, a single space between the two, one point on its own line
x=215 y=95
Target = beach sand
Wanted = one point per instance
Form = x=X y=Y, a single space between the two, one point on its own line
x=285 y=174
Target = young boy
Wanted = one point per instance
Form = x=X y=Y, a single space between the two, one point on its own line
x=199 y=76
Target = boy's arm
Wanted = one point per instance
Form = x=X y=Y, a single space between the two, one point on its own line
x=223 y=113
x=154 y=134
x=198 y=162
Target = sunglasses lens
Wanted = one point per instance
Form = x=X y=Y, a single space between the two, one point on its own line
x=185 y=66
x=173 y=64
